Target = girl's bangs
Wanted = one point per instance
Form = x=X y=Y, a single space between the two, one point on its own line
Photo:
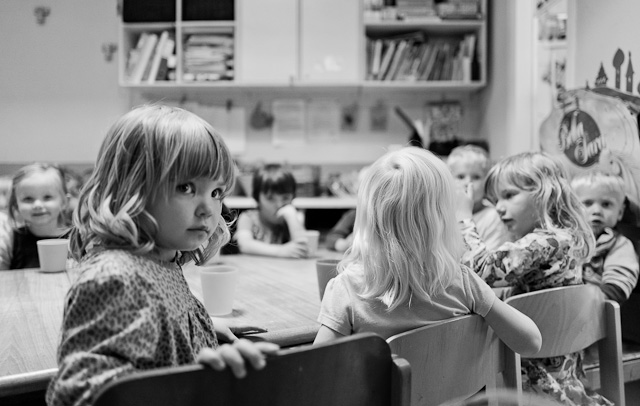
x=203 y=155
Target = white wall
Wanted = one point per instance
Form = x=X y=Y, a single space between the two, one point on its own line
x=57 y=93
x=506 y=120
x=601 y=28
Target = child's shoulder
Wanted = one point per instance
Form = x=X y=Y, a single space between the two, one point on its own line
x=108 y=264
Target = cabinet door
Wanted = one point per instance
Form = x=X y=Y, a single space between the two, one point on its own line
x=267 y=41
x=331 y=34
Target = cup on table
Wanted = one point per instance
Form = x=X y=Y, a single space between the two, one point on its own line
x=326 y=269
x=52 y=254
x=218 y=288
x=313 y=237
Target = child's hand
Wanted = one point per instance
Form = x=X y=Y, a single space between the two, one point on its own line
x=464 y=197
x=294 y=249
x=234 y=356
x=287 y=211
x=342 y=244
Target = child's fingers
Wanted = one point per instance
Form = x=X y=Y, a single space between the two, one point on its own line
x=233 y=358
x=252 y=353
x=211 y=358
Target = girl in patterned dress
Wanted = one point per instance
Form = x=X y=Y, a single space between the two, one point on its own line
x=403 y=270
x=152 y=204
x=535 y=202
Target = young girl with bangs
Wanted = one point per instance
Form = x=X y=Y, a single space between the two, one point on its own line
x=403 y=270
x=533 y=198
x=152 y=204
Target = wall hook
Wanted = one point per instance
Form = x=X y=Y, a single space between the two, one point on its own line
x=108 y=49
x=41 y=13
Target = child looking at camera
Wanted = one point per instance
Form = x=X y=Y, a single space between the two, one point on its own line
x=274 y=228
x=37 y=207
x=614 y=266
x=152 y=204
x=469 y=165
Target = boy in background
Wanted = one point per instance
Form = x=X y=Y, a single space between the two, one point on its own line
x=614 y=267
x=469 y=165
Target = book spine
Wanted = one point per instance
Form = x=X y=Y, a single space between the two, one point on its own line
x=157 y=57
x=145 y=55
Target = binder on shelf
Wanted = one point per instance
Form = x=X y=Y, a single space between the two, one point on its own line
x=134 y=55
x=157 y=57
x=145 y=55
x=167 y=61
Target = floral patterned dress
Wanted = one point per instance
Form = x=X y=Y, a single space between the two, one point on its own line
x=539 y=260
x=125 y=313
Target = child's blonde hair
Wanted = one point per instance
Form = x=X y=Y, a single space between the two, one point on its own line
x=560 y=208
x=145 y=153
x=471 y=154
x=613 y=184
x=407 y=242
x=25 y=172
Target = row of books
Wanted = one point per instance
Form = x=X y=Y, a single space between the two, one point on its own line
x=153 y=58
x=208 y=57
x=414 y=57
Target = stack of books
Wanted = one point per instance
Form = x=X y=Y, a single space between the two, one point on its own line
x=153 y=58
x=208 y=57
x=414 y=57
x=415 y=9
x=459 y=9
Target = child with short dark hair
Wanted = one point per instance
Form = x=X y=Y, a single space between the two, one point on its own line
x=274 y=228
x=614 y=266
x=37 y=211
x=152 y=204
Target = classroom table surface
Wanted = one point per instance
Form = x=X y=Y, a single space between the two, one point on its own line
x=273 y=294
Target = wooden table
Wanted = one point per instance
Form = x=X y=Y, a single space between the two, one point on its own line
x=278 y=295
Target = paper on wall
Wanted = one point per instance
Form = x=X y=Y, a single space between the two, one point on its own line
x=323 y=120
x=289 y=122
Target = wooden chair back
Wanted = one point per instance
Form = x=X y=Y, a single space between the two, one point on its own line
x=452 y=359
x=354 y=370
x=571 y=318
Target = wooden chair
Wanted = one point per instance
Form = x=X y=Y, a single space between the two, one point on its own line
x=571 y=318
x=453 y=359
x=354 y=370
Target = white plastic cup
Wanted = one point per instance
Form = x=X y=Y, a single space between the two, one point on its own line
x=326 y=269
x=218 y=288
x=313 y=237
x=53 y=254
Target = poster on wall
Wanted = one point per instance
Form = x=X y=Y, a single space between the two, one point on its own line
x=597 y=129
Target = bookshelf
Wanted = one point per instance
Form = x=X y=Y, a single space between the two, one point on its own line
x=285 y=44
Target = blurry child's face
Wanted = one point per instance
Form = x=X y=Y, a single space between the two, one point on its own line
x=40 y=199
x=466 y=173
x=187 y=217
x=518 y=210
x=604 y=209
x=270 y=204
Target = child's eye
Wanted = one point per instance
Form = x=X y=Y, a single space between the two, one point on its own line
x=217 y=194
x=185 y=188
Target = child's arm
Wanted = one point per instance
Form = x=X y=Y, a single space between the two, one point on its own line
x=340 y=237
x=249 y=245
x=326 y=334
x=290 y=216
x=515 y=329
x=620 y=270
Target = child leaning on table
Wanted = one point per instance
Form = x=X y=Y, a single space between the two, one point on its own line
x=469 y=165
x=274 y=228
x=552 y=240
x=614 y=266
x=403 y=270
x=37 y=211
x=152 y=204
